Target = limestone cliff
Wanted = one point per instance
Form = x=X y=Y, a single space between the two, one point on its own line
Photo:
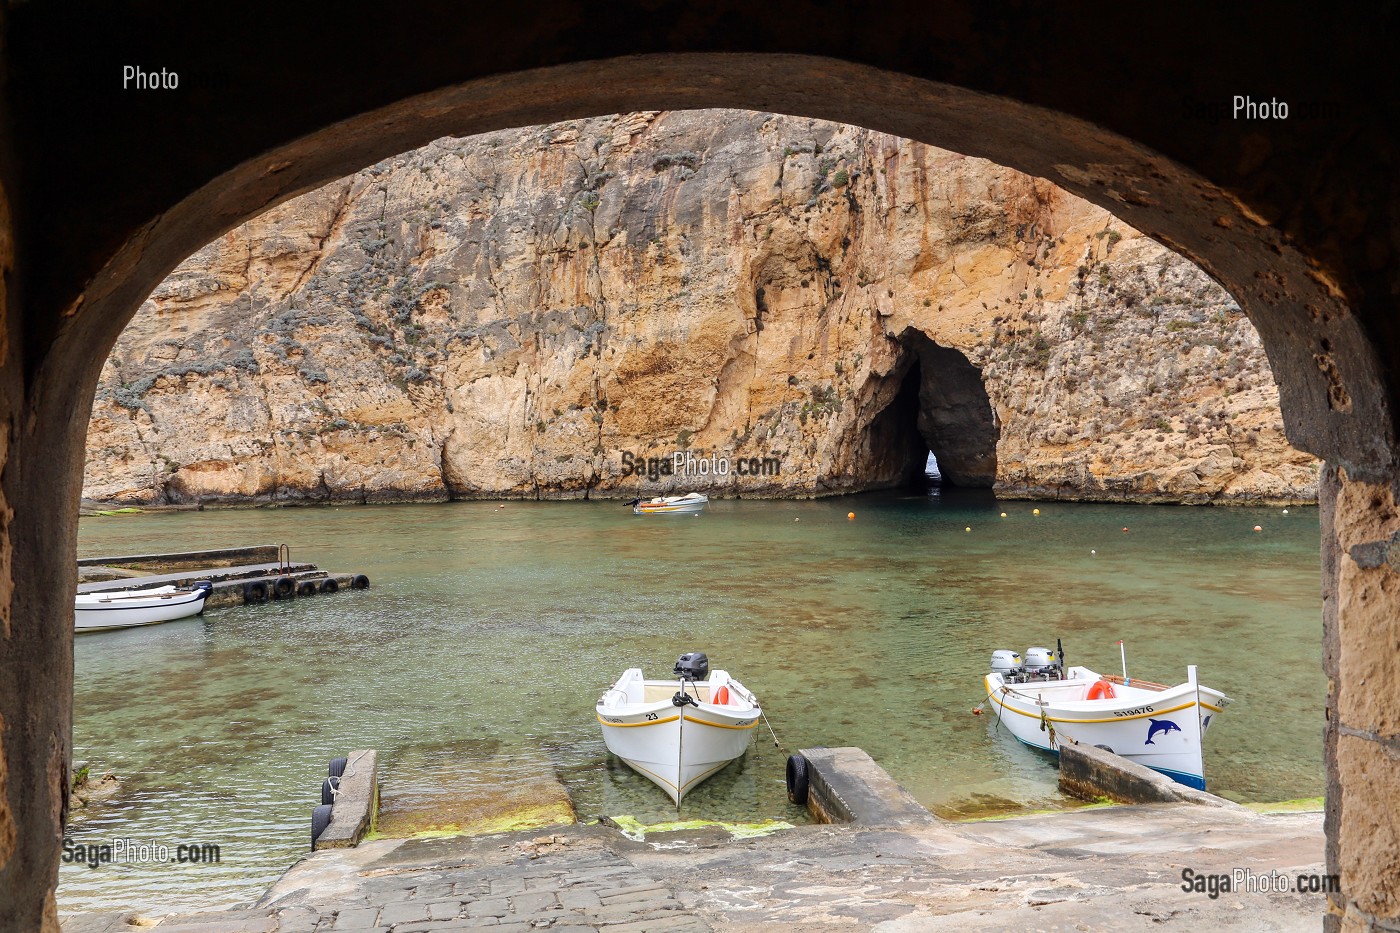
x=508 y=315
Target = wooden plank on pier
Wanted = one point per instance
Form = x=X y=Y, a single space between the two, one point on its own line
x=227 y=556
x=187 y=577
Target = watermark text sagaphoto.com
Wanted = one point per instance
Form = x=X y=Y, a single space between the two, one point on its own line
x=689 y=463
x=138 y=852
x=1246 y=881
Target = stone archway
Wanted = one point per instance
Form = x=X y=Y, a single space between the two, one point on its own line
x=1306 y=245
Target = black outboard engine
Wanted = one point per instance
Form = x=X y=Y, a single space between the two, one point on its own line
x=693 y=665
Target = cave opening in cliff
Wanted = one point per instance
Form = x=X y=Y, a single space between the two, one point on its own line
x=897 y=453
x=941 y=426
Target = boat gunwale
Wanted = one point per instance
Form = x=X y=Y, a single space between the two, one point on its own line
x=633 y=725
x=629 y=710
x=1086 y=708
x=194 y=595
x=632 y=709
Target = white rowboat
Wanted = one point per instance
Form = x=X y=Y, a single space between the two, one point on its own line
x=1152 y=724
x=669 y=505
x=676 y=743
x=101 y=612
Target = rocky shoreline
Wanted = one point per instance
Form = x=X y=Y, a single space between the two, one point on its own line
x=93 y=509
x=1139 y=497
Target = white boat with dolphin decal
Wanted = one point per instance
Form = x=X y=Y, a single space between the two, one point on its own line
x=678 y=732
x=1043 y=703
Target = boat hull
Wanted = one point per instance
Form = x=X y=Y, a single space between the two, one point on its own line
x=126 y=611
x=676 y=747
x=682 y=505
x=1161 y=729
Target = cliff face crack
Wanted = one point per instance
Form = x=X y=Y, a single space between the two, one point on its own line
x=445 y=467
x=333 y=226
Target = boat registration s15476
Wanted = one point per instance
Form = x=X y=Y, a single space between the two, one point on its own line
x=1137 y=711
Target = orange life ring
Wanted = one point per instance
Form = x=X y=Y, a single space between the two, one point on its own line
x=721 y=697
x=1101 y=690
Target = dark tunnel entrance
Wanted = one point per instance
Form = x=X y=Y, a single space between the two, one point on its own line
x=941 y=418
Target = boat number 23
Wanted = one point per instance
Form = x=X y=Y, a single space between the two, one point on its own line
x=651 y=717
x=1133 y=712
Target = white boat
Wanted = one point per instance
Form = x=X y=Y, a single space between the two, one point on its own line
x=667 y=505
x=678 y=732
x=1045 y=704
x=113 y=609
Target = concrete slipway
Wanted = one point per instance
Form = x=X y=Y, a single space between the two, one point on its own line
x=891 y=867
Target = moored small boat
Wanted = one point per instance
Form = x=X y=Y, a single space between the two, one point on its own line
x=676 y=733
x=668 y=505
x=1043 y=704
x=114 y=609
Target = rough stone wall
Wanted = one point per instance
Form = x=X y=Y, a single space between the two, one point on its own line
x=505 y=315
x=36 y=658
x=1361 y=585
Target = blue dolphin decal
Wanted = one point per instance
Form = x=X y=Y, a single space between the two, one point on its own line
x=1160 y=725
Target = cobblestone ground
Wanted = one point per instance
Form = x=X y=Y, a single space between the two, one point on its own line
x=1116 y=869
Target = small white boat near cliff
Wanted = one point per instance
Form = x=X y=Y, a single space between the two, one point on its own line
x=114 y=609
x=669 y=505
x=678 y=732
x=1043 y=703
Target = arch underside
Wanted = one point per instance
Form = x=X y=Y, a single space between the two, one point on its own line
x=1330 y=381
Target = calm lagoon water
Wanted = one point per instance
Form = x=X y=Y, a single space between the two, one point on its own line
x=490 y=631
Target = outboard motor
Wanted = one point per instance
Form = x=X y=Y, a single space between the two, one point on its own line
x=693 y=665
x=690 y=667
x=1043 y=664
x=1038 y=659
x=1005 y=662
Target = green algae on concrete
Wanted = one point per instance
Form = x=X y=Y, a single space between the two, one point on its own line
x=1301 y=805
x=1097 y=803
x=480 y=814
x=636 y=830
x=983 y=807
x=487 y=797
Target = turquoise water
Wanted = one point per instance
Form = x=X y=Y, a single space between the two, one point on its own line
x=490 y=631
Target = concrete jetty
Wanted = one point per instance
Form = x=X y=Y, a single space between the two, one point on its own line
x=1093 y=773
x=845 y=785
x=209 y=557
x=356 y=802
x=239 y=574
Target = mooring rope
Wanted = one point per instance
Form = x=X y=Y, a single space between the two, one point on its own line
x=761 y=715
x=1047 y=725
x=776 y=744
x=977 y=710
x=350 y=768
